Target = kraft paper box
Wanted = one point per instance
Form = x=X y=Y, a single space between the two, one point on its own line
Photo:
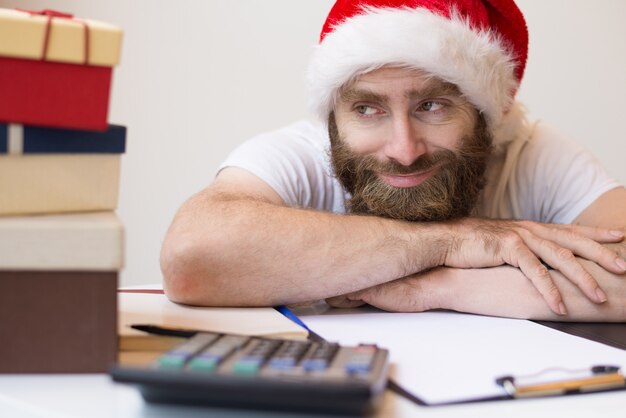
x=55 y=69
x=45 y=170
x=58 y=292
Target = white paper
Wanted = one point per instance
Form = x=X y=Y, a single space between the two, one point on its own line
x=447 y=356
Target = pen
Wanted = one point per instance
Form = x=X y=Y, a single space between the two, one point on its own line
x=601 y=378
x=289 y=314
x=168 y=332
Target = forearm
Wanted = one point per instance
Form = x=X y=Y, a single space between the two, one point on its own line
x=238 y=251
x=505 y=291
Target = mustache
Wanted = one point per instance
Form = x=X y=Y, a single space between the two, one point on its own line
x=423 y=163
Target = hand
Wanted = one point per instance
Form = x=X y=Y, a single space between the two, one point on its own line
x=525 y=244
x=496 y=291
x=343 y=301
x=409 y=294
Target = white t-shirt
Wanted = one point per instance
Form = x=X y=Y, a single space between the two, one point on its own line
x=555 y=178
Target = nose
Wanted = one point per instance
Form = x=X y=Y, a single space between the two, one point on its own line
x=405 y=143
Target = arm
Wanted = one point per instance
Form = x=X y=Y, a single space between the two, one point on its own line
x=608 y=211
x=504 y=291
x=499 y=291
x=236 y=243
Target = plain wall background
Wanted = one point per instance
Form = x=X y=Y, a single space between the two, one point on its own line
x=198 y=77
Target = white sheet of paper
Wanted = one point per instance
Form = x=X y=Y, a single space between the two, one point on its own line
x=447 y=356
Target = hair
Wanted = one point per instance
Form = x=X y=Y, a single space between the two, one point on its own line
x=451 y=193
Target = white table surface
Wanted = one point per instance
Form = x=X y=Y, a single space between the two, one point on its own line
x=96 y=396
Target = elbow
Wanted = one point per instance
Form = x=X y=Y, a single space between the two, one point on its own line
x=189 y=277
x=176 y=261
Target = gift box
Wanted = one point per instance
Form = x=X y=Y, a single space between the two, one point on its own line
x=55 y=69
x=45 y=170
x=58 y=292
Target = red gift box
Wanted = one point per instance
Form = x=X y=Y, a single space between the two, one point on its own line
x=55 y=70
x=54 y=94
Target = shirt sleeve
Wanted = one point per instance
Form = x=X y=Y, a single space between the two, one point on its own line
x=558 y=178
x=293 y=161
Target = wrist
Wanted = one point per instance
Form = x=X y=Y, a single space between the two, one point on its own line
x=430 y=243
x=439 y=283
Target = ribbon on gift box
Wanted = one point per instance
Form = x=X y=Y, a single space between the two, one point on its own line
x=52 y=14
x=12 y=139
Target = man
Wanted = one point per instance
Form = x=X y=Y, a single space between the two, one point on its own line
x=403 y=197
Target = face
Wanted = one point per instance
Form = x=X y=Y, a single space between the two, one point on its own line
x=408 y=146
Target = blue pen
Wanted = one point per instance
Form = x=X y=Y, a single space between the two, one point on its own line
x=287 y=312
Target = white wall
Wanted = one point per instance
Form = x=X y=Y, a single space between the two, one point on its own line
x=198 y=77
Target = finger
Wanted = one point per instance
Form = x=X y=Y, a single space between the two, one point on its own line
x=592 y=251
x=595 y=233
x=538 y=274
x=564 y=260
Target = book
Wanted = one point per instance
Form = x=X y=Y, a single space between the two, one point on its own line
x=155 y=308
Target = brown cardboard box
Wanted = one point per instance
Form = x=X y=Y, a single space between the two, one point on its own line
x=58 y=292
x=57 y=322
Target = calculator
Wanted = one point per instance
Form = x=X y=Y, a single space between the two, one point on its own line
x=229 y=370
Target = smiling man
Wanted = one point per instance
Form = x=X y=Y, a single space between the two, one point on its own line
x=423 y=186
x=434 y=168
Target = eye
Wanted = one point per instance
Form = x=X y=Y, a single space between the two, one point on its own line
x=366 y=110
x=431 y=106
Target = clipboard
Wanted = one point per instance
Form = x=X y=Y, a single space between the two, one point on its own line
x=468 y=353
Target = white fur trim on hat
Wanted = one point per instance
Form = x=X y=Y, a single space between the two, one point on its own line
x=448 y=48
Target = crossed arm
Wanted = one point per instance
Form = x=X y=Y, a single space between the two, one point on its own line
x=504 y=290
x=236 y=243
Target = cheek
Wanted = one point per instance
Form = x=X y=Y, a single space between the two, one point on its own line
x=362 y=140
x=449 y=136
x=444 y=137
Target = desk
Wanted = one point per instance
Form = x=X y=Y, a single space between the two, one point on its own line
x=96 y=396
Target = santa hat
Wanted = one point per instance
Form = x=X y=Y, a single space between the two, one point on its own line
x=479 y=45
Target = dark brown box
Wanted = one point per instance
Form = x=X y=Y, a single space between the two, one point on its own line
x=58 y=321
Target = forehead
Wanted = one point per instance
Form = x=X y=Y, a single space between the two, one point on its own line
x=391 y=81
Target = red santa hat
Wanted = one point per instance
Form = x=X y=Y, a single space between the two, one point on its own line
x=479 y=45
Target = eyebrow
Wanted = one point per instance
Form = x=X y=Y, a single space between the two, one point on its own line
x=350 y=94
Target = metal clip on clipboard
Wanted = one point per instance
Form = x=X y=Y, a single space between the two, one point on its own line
x=557 y=381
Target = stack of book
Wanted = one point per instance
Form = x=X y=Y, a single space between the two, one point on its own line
x=61 y=243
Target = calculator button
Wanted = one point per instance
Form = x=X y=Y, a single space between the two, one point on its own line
x=289 y=354
x=251 y=362
x=357 y=367
x=361 y=359
x=247 y=366
x=321 y=357
x=204 y=363
x=314 y=364
x=264 y=348
x=176 y=358
x=171 y=361
x=282 y=363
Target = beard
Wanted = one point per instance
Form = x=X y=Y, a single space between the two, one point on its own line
x=452 y=192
